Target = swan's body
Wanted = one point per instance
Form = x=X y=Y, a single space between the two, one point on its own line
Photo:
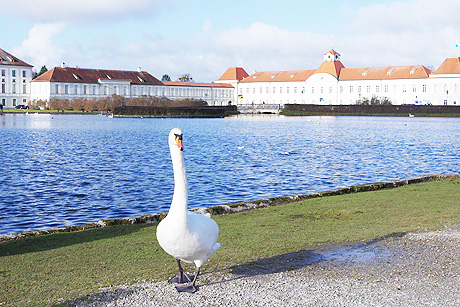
x=185 y=235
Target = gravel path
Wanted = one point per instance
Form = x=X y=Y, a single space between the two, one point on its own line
x=413 y=270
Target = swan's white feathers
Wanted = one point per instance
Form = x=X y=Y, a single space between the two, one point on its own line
x=191 y=242
x=183 y=234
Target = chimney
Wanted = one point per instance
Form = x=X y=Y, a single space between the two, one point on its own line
x=139 y=69
x=62 y=65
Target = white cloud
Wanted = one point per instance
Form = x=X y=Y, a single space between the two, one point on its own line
x=402 y=33
x=82 y=10
x=264 y=47
x=395 y=33
x=39 y=48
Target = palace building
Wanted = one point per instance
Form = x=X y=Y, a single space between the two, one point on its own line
x=15 y=79
x=331 y=84
x=70 y=83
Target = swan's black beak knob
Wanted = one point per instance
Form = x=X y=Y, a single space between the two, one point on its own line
x=179 y=143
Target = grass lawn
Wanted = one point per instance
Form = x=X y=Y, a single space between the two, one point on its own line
x=44 y=270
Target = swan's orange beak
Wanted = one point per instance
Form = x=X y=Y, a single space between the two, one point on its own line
x=179 y=142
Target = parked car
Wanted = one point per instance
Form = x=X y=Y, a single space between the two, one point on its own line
x=22 y=107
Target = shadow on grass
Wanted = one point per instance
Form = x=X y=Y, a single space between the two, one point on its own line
x=58 y=240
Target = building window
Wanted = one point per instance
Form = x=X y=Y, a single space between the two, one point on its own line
x=4 y=102
x=321 y=90
x=351 y=89
x=359 y=88
x=404 y=88
x=13 y=73
x=341 y=89
x=24 y=87
x=3 y=72
x=85 y=88
x=260 y=90
x=295 y=90
x=76 y=89
x=368 y=89
x=66 y=89
x=424 y=88
x=312 y=90
x=386 y=88
x=14 y=88
x=287 y=90
x=267 y=90
x=3 y=88
x=281 y=90
x=14 y=102
x=94 y=89
x=24 y=73
x=274 y=90
x=56 y=88
x=377 y=88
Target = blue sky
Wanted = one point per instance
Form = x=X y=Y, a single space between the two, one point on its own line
x=204 y=38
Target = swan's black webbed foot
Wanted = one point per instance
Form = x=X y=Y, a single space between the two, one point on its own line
x=190 y=289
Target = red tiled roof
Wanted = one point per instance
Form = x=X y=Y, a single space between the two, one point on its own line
x=384 y=73
x=234 y=73
x=9 y=59
x=448 y=67
x=279 y=76
x=84 y=75
x=332 y=51
x=193 y=84
x=332 y=67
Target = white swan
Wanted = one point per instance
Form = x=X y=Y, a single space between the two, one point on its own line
x=185 y=235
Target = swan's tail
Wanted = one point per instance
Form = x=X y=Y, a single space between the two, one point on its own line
x=215 y=248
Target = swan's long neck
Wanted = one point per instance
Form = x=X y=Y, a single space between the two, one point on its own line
x=180 y=197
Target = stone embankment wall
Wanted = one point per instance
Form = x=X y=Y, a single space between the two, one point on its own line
x=174 y=111
x=402 y=110
x=233 y=208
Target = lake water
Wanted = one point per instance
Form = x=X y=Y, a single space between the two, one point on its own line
x=59 y=170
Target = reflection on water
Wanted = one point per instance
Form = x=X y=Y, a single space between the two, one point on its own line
x=69 y=170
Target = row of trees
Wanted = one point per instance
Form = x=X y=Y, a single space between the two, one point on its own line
x=108 y=104
x=182 y=78
x=374 y=101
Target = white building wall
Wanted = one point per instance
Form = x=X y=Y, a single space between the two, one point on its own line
x=321 y=89
x=65 y=90
x=324 y=89
x=15 y=85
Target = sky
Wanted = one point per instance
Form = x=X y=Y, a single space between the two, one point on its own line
x=205 y=38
